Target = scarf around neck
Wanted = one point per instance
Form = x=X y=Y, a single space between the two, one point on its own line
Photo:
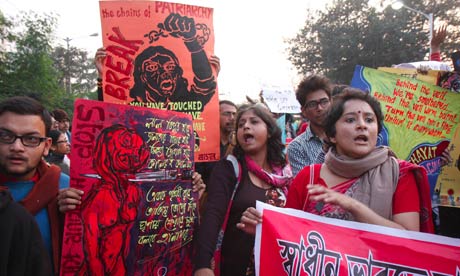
x=378 y=174
x=349 y=167
x=280 y=178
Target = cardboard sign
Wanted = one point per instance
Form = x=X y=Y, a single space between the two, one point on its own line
x=281 y=100
x=292 y=242
x=158 y=57
x=138 y=211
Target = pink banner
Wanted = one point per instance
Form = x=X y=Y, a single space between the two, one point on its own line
x=292 y=242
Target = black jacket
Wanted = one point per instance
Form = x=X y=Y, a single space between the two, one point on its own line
x=22 y=250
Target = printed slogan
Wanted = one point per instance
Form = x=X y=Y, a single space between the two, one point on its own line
x=158 y=57
x=292 y=242
x=138 y=210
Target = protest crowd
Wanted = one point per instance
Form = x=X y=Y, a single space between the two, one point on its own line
x=325 y=160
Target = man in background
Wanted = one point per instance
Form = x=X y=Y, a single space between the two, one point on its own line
x=314 y=96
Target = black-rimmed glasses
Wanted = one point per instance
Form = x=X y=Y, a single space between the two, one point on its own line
x=314 y=104
x=7 y=137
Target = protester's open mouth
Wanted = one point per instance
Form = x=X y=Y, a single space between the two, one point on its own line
x=248 y=137
x=362 y=138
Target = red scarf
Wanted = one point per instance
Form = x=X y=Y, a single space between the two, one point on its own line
x=426 y=219
x=280 y=178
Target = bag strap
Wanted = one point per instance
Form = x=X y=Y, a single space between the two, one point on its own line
x=311 y=181
x=236 y=167
x=217 y=252
x=238 y=173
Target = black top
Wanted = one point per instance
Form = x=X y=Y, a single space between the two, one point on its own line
x=22 y=250
x=237 y=246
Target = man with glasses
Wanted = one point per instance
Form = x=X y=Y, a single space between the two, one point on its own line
x=59 y=149
x=24 y=128
x=314 y=95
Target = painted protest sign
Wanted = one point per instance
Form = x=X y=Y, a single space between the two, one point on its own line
x=447 y=190
x=419 y=119
x=292 y=242
x=138 y=211
x=158 y=57
x=281 y=100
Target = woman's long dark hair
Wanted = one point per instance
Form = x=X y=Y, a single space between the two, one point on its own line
x=275 y=148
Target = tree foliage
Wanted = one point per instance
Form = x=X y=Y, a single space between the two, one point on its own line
x=350 y=32
x=75 y=65
x=30 y=66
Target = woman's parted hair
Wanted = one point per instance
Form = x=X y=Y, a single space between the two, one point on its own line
x=275 y=147
x=337 y=107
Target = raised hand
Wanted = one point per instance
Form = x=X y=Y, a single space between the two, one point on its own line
x=439 y=35
x=99 y=60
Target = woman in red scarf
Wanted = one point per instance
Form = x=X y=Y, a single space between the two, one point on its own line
x=359 y=181
x=265 y=177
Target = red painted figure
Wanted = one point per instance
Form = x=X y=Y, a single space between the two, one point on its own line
x=110 y=209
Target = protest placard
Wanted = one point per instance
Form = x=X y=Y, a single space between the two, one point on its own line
x=158 y=57
x=292 y=242
x=447 y=190
x=281 y=100
x=138 y=210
